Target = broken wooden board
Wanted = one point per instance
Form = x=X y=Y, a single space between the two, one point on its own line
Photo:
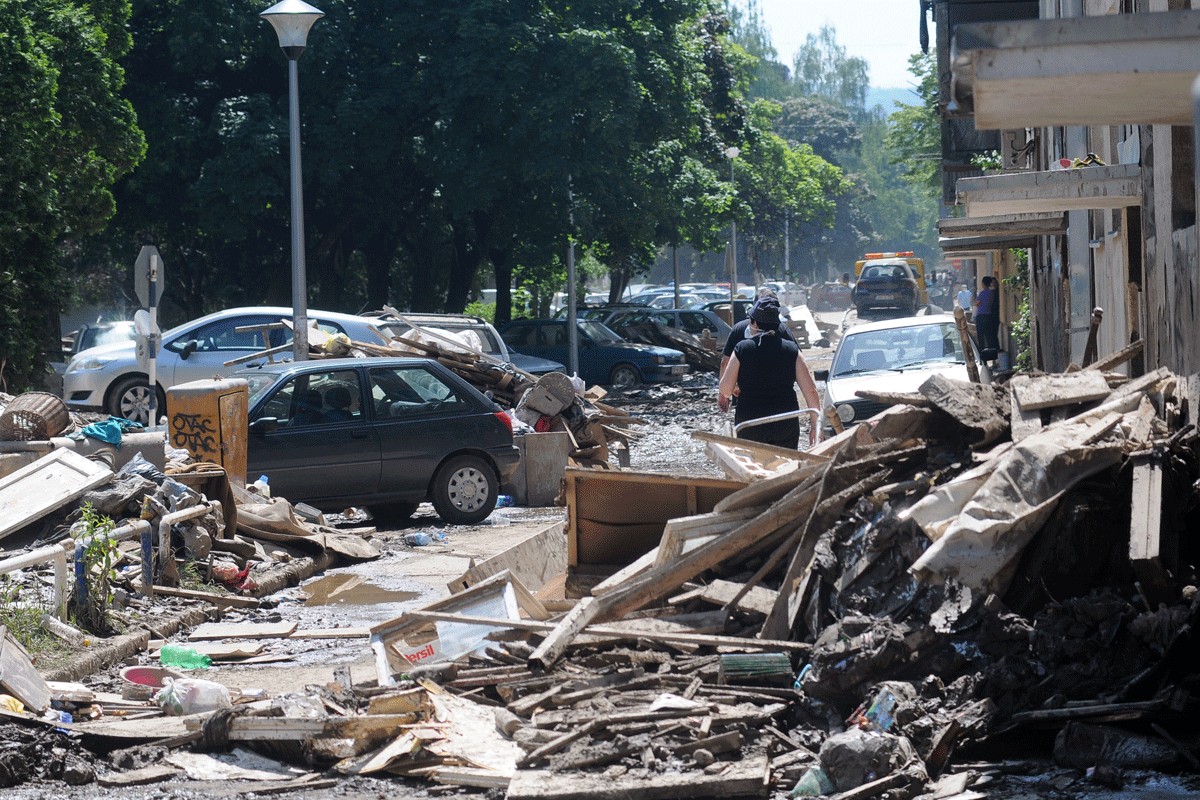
x=264 y=729
x=155 y=773
x=748 y=778
x=614 y=517
x=18 y=677
x=1034 y=392
x=57 y=478
x=1150 y=559
x=1024 y=423
x=684 y=534
x=535 y=561
x=223 y=651
x=742 y=459
x=980 y=407
x=243 y=630
x=758 y=599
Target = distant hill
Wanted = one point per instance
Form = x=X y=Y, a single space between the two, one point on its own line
x=889 y=97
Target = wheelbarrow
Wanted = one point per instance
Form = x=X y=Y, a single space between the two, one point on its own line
x=816 y=421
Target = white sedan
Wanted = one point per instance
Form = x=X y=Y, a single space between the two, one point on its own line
x=895 y=355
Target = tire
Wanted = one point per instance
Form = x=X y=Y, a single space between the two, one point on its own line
x=465 y=490
x=624 y=376
x=130 y=399
x=393 y=513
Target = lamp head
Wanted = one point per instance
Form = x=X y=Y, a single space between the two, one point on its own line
x=292 y=20
x=732 y=152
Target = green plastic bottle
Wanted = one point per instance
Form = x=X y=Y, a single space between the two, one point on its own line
x=177 y=655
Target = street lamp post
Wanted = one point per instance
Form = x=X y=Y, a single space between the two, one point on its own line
x=292 y=20
x=732 y=153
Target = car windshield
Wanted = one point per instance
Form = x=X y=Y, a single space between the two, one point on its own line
x=100 y=335
x=598 y=332
x=912 y=346
x=258 y=383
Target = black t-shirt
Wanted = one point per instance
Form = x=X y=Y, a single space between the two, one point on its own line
x=766 y=375
x=739 y=333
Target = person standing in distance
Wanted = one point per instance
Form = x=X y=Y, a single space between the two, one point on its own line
x=763 y=370
x=987 y=316
x=965 y=300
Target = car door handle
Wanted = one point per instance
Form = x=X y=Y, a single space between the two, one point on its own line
x=358 y=433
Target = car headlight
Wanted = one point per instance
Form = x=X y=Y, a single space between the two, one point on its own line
x=660 y=359
x=845 y=412
x=90 y=362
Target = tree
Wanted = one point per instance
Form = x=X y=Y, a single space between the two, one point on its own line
x=820 y=123
x=914 y=131
x=67 y=135
x=824 y=69
x=778 y=182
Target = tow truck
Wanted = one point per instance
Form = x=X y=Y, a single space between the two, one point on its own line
x=890 y=281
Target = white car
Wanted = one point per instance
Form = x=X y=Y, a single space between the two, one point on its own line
x=895 y=355
x=108 y=378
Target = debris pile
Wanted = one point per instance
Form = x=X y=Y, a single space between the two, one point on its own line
x=982 y=571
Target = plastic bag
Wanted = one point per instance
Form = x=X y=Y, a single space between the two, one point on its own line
x=139 y=465
x=184 y=696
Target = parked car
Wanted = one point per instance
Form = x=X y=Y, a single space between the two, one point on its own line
x=490 y=340
x=887 y=284
x=604 y=357
x=895 y=355
x=387 y=433
x=108 y=378
x=691 y=320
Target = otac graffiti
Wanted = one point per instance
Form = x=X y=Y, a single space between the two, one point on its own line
x=193 y=432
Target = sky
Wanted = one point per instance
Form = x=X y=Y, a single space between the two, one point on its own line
x=884 y=32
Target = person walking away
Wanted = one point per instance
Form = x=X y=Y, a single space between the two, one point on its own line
x=965 y=300
x=987 y=318
x=738 y=332
x=763 y=371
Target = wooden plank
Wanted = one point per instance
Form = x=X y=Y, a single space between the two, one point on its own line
x=471 y=776
x=765 y=492
x=57 y=478
x=219 y=651
x=18 y=677
x=265 y=729
x=747 y=778
x=628 y=629
x=758 y=599
x=535 y=561
x=1064 y=389
x=219 y=600
x=243 y=630
x=155 y=773
x=620 y=576
x=1145 y=528
x=1025 y=423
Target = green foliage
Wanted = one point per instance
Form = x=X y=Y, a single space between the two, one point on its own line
x=99 y=557
x=914 y=131
x=1020 y=329
x=67 y=135
x=823 y=68
x=485 y=310
x=987 y=160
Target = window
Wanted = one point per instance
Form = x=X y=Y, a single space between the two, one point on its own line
x=521 y=335
x=316 y=398
x=407 y=391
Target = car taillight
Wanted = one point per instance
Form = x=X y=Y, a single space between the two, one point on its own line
x=505 y=418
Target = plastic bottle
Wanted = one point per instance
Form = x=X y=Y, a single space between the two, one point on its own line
x=882 y=712
x=175 y=655
x=417 y=539
x=261 y=486
x=504 y=501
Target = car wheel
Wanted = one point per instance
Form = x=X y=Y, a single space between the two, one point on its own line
x=624 y=376
x=464 y=490
x=393 y=512
x=130 y=399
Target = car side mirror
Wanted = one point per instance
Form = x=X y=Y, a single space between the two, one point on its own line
x=264 y=425
x=821 y=374
x=189 y=347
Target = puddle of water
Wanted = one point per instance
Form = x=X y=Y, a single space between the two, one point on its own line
x=350 y=590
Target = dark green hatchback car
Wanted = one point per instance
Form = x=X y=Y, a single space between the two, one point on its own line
x=387 y=433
